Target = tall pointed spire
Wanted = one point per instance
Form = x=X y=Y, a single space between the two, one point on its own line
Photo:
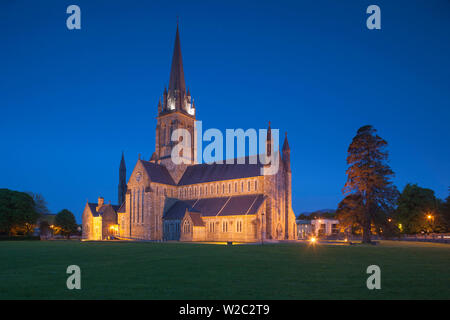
x=269 y=141
x=176 y=81
x=122 y=189
x=286 y=143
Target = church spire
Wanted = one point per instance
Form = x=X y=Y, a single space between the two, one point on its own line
x=286 y=143
x=122 y=181
x=176 y=82
x=286 y=154
x=269 y=141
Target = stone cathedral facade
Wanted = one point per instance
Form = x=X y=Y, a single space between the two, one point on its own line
x=191 y=201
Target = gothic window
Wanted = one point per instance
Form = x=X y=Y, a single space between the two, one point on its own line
x=186 y=227
x=225 y=226
x=223 y=188
x=239 y=226
x=206 y=190
x=142 y=218
x=242 y=186
x=200 y=190
x=133 y=206
x=248 y=187
x=235 y=187
x=229 y=188
x=256 y=185
x=138 y=212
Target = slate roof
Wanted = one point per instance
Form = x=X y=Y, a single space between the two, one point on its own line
x=223 y=206
x=197 y=219
x=178 y=210
x=95 y=213
x=158 y=173
x=122 y=208
x=203 y=172
x=200 y=173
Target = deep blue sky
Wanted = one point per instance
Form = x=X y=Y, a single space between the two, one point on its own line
x=71 y=101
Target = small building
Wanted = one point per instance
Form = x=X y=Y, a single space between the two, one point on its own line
x=100 y=220
x=317 y=227
x=325 y=227
x=304 y=229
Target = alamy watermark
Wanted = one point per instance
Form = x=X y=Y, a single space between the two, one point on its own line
x=214 y=151
x=74 y=280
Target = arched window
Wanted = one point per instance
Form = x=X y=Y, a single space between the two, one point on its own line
x=224 y=226
x=242 y=186
x=186 y=227
x=256 y=185
x=229 y=188
x=235 y=187
x=239 y=226
x=142 y=206
x=139 y=207
x=248 y=187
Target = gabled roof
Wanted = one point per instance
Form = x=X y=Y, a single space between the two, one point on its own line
x=197 y=219
x=101 y=210
x=223 y=206
x=178 y=210
x=122 y=208
x=157 y=173
x=204 y=172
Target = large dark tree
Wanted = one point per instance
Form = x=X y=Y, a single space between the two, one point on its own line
x=369 y=178
x=17 y=212
x=418 y=209
x=65 y=221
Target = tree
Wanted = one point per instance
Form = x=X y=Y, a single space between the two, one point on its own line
x=17 y=212
x=446 y=211
x=65 y=221
x=369 y=177
x=350 y=213
x=39 y=203
x=417 y=209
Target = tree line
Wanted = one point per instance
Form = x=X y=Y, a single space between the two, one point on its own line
x=21 y=212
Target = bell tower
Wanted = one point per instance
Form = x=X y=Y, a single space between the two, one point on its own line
x=176 y=110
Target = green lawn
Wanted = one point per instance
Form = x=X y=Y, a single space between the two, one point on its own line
x=37 y=270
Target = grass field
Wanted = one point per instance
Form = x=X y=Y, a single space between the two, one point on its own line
x=37 y=270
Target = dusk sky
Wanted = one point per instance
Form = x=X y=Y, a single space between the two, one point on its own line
x=72 y=100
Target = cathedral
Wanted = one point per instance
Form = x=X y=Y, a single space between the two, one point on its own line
x=193 y=201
